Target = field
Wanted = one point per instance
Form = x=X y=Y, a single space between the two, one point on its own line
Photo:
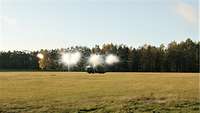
x=62 y=92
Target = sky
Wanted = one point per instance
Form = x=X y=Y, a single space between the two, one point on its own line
x=51 y=24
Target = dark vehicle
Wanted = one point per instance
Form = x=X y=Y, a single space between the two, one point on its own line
x=89 y=69
x=98 y=69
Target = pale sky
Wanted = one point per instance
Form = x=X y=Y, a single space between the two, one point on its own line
x=50 y=24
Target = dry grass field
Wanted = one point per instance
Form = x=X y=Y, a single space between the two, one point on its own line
x=63 y=92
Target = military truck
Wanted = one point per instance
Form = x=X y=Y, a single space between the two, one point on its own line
x=97 y=69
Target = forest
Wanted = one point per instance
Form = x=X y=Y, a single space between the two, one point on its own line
x=175 y=57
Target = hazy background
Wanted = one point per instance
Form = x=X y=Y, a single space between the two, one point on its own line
x=37 y=24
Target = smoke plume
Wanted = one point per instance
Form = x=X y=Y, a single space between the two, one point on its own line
x=40 y=55
x=95 y=60
x=111 y=59
x=70 y=59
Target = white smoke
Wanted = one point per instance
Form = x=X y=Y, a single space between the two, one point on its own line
x=70 y=59
x=40 y=55
x=95 y=60
x=111 y=59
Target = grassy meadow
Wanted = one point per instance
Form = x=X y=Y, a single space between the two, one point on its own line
x=65 y=92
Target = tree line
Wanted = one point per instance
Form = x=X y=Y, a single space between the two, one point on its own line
x=176 y=57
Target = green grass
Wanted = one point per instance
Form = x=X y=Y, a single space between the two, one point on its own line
x=61 y=92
